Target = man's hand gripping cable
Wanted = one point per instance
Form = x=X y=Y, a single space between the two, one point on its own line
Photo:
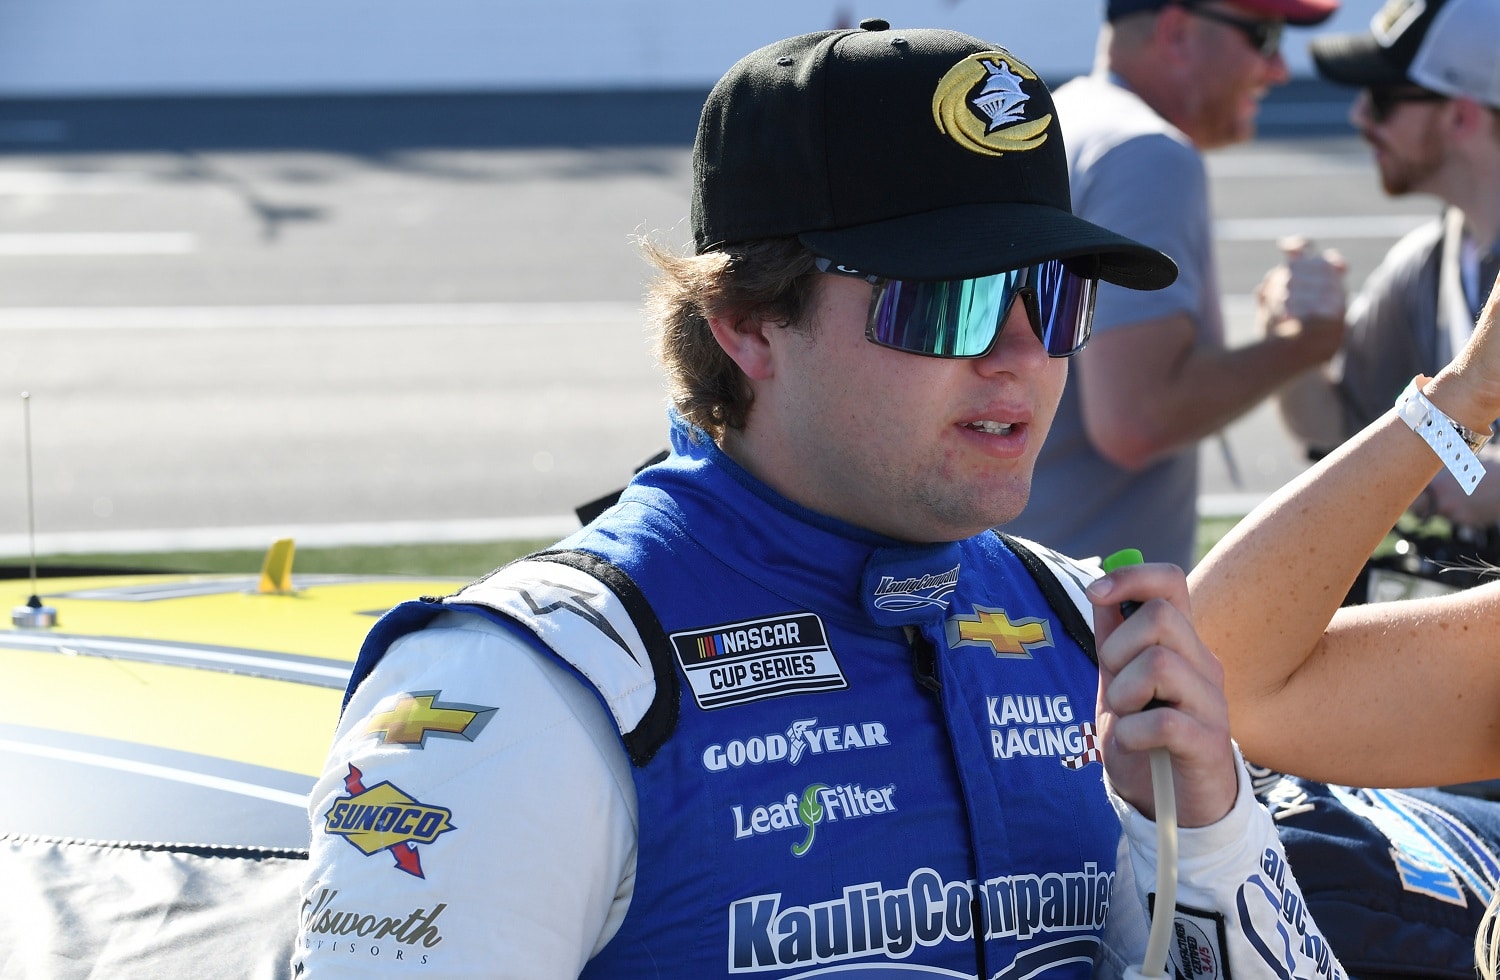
x=1154 y=963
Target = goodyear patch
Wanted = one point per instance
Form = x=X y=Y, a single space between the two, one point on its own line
x=384 y=818
x=737 y=663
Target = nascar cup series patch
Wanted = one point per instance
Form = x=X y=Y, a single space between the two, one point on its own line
x=738 y=663
x=981 y=106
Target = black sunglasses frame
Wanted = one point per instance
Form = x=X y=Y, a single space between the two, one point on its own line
x=1264 y=35
x=1026 y=292
x=1383 y=99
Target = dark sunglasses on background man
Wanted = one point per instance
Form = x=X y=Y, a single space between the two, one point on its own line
x=1264 y=35
x=1383 y=99
x=964 y=317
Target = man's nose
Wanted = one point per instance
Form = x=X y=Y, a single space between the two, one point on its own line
x=1359 y=111
x=1018 y=348
x=1277 y=72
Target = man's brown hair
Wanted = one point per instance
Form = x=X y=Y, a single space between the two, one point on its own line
x=770 y=280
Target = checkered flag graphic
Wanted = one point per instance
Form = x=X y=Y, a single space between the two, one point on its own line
x=1091 y=750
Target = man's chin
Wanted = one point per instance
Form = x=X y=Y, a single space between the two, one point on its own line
x=1012 y=510
x=1241 y=131
x=1246 y=130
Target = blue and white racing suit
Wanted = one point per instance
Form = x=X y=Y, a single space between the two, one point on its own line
x=716 y=734
x=1398 y=879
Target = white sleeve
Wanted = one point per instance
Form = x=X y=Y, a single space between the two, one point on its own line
x=1240 y=912
x=476 y=817
x=1126 y=927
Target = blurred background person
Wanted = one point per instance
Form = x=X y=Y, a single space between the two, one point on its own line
x=1429 y=89
x=1172 y=80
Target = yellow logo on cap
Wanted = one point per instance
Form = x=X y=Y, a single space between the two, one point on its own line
x=979 y=103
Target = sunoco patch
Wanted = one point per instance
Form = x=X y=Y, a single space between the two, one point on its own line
x=737 y=663
x=385 y=818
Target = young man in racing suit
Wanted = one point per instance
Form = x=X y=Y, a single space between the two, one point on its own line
x=789 y=708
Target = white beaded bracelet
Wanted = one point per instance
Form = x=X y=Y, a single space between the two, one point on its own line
x=1454 y=444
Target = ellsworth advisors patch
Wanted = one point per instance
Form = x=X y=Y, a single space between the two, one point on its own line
x=736 y=663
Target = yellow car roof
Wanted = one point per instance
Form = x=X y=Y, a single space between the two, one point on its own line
x=180 y=707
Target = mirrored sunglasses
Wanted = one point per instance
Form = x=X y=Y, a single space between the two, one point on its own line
x=1264 y=35
x=964 y=317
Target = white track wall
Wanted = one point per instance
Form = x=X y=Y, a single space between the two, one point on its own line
x=181 y=47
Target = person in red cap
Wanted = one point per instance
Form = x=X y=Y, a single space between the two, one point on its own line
x=1173 y=79
x=1429 y=106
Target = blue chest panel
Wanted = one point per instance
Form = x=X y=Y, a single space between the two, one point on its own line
x=838 y=792
x=847 y=751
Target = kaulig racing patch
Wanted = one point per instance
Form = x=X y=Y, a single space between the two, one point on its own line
x=737 y=663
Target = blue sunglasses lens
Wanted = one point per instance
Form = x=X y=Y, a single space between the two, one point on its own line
x=956 y=318
x=1064 y=315
x=963 y=317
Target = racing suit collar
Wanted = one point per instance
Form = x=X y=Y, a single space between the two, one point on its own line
x=819 y=560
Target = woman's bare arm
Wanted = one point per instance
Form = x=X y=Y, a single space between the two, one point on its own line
x=1303 y=691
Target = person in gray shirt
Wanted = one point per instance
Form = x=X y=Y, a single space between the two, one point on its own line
x=1120 y=468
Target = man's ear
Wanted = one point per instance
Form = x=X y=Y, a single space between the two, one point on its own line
x=745 y=338
x=1466 y=117
x=1170 y=31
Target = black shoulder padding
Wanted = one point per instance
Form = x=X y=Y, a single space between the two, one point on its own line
x=660 y=720
x=1057 y=597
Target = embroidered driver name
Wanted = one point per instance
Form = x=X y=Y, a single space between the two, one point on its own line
x=737 y=663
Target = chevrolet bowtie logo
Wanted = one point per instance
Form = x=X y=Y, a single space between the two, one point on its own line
x=412 y=717
x=994 y=629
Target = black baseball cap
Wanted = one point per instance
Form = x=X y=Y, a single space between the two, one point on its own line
x=1447 y=46
x=914 y=154
x=1302 y=13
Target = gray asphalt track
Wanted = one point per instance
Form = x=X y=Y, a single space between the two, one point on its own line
x=354 y=320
